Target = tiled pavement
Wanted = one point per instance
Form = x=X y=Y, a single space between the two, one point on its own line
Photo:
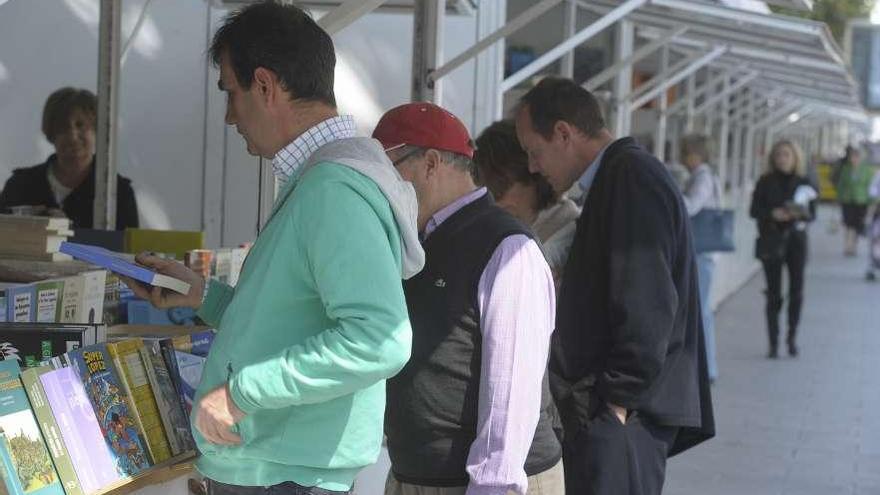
x=801 y=426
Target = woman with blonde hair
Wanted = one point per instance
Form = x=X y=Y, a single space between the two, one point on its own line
x=783 y=203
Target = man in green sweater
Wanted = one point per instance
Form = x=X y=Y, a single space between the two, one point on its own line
x=293 y=393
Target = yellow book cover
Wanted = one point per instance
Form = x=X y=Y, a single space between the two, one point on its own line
x=176 y=242
x=127 y=357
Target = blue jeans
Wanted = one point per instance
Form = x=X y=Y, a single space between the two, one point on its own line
x=705 y=267
x=287 y=488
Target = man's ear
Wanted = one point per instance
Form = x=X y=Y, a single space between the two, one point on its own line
x=266 y=84
x=562 y=130
x=433 y=162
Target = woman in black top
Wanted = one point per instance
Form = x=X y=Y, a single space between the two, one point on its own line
x=783 y=203
x=65 y=183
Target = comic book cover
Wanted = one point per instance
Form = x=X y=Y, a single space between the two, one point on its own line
x=105 y=391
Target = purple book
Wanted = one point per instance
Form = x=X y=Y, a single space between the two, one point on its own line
x=95 y=466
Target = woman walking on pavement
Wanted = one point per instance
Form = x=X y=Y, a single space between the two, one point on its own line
x=783 y=203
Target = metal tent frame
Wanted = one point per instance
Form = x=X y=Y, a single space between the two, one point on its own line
x=753 y=75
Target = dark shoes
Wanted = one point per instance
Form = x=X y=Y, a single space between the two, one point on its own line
x=793 y=350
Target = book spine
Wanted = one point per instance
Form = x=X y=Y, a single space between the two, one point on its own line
x=141 y=394
x=132 y=404
x=46 y=420
x=162 y=405
x=168 y=353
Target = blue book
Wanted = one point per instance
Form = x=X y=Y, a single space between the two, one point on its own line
x=24 y=459
x=122 y=264
x=21 y=303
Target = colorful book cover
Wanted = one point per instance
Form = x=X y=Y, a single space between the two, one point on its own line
x=49 y=304
x=92 y=460
x=30 y=378
x=171 y=410
x=105 y=391
x=26 y=461
x=21 y=303
x=127 y=357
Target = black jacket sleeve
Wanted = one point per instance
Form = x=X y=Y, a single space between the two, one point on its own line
x=644 y=224
x=126 y=205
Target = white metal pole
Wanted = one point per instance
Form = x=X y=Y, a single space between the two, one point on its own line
x=428 y=24
x=691 y=103
x=489 y=72
x=104 y=207
x=625 y=37
x=662 y=107
x=617 y=14
x=609 y=73
x=569 y=29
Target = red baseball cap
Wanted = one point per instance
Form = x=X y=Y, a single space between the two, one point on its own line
x=424 y=125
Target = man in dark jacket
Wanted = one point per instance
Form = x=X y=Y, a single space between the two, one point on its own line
x=628 y=359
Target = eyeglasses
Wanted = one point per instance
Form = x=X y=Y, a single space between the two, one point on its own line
x=406 y=157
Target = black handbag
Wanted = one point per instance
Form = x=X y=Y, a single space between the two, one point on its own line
x=770 y=246
x=713 y=230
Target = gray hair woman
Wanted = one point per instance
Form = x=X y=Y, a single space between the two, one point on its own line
x=702 y=190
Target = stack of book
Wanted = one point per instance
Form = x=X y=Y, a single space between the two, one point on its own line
x=76 y=299
x=33 y=237
x=92 y=416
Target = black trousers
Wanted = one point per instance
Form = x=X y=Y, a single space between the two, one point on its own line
x=610 y=458
x=795 y=260
x=287 y=488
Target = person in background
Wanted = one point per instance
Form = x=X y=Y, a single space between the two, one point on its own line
x=852 y=194
x=503 y=167
x=471 y=413
x=702 y=190
x=628 y=354
x=65 y=183
x=292 y=395
x=783 y=203
x=874 y=229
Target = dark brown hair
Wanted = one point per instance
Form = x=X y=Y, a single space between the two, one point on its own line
x=284 y=40
x=501 y=163
x=62 y=104
x=557 y=99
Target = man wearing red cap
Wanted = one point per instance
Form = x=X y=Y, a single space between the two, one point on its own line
x=471 y=412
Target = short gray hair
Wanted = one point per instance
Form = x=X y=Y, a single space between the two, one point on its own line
x=458 y=161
